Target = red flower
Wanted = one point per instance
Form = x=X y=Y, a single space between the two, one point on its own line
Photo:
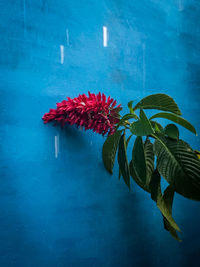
x=92 y=112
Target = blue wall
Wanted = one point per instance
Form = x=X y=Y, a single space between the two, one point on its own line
x=60 y=207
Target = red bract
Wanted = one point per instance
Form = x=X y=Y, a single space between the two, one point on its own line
x=91 y=112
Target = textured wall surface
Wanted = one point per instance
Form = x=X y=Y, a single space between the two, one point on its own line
x=58 y=206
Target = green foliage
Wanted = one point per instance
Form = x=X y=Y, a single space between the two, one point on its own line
x=168 y=197
x=142 y=162
x=142 y=127
x=109 y=150
x=123 y=161
x=157 y=196
x=127 y=117
x=175 y=118
x=156 y=126
x=171 y=130
x=138 y=160
x=127 y=142
x=179 y=165
x=158 y=101
x=130 y=106
x=176 y=161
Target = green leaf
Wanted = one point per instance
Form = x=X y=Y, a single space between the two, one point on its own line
x=138 y=159
x=149 y=156
x=156 y=195
x=127 y=117
x=156 y=126
x=123 y=161
x=127 y=142
x=197 y=152
x=175 y=118
x=109 y=150
x=130 y=106
x=142 y=127
x=168 y=197
x=179 y=165
x=172 y=131
x=142 y=163
x=136 y=178
x=159 y=101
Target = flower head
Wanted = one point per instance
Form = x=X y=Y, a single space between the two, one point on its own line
x=91 y=112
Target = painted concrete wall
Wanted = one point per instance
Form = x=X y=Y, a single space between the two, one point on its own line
x=58 y=206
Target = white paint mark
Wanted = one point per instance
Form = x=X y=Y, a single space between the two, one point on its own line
x=61 y=54
x=67 y=35
x=105 y=36
x=56 y=146
x=144 y=66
